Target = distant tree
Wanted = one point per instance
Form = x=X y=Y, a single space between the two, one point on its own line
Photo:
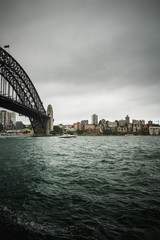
x=29 y=127
x=26 y=131
x=80 y=132
x=70 y=132
x=145 y=131
x=107 y=132
x=57 y=130
x=1 y=127
x=117 y=122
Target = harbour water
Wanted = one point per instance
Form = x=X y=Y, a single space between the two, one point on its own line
x=83 y=188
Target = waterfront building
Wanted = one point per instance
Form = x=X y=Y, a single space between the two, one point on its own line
x=66 y=128
x=77 y=126
x=84 y=122
x=13 y=132
x=154 y=130
x=142 y=122
x=127 y=119
x=138 y=122
x=122 y=123
x=91 y=128
x=103 y=125
x=150 y=122
x=112 y=124
x=134 y=129
x=94 y=119
x=70 y=130
x=19 y=125
x=13 y=117
x=130 y=127
x=145 y=129
x=51 y=120
x=102 y=122
x=121 y=129
x=5 y=117
x=80 y=126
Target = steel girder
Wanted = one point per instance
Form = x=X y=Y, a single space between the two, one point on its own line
x=28 y=97
x=12 y=66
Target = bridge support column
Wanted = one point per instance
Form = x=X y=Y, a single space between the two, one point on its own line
x=49 y=125
x=38 y=127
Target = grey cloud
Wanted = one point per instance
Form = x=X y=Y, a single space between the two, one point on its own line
x=87 y=49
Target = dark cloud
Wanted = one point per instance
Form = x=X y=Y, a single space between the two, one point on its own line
x=88 y=56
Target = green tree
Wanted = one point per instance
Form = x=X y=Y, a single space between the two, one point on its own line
x=57 y=131
x=29 y=127
x=1 y=127
x=79 y=132
x=107 y=132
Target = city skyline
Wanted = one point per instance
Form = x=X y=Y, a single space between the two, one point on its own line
x=87 y=57
x=94 y=119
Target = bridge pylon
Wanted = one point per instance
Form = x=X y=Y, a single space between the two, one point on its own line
x=50 y=120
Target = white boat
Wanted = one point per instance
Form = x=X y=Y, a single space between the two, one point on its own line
x=68 y=136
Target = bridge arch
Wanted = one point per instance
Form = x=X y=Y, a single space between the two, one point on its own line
x=18 y=93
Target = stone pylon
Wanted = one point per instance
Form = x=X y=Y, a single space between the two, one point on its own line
x=50 y=120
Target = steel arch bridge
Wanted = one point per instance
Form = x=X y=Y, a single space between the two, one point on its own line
x=17 y=93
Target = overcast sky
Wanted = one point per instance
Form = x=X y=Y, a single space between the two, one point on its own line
x=88 y=56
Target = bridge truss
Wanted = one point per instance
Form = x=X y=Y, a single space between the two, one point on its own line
x=17 y=93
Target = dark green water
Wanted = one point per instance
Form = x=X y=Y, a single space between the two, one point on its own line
x=82 y=188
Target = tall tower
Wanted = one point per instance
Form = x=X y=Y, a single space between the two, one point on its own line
x=13 y=117
x=127 y=119
x=5 y=117
x=95 y=119
x=51 y=120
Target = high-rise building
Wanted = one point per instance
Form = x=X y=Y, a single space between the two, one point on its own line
x=51 y=120
x=5 y=117
x=94 y=119
x=127 y=119
x=13 y=117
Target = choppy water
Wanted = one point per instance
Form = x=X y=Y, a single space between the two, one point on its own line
x=82 y=188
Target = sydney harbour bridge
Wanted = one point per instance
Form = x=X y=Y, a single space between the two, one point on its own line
x=18 y=94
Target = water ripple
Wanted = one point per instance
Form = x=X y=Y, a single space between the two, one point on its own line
x=83 y=188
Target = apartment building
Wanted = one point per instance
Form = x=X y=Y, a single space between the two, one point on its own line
x=94 y=119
